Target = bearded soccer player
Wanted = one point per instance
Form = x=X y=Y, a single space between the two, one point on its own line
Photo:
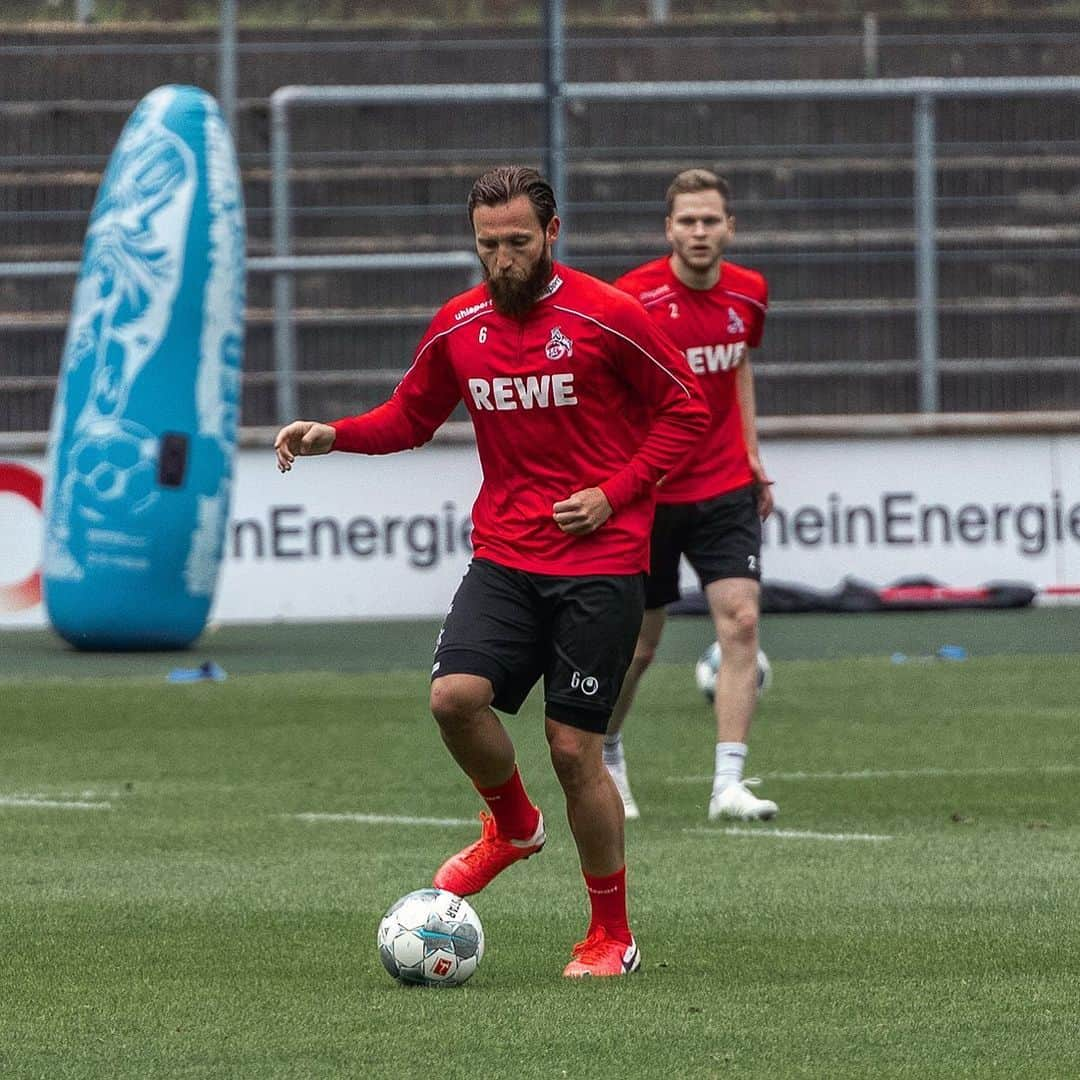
x=710 y=508
x=557 y=371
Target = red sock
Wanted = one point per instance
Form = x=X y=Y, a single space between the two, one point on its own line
x=515 y=816
x=607 y=895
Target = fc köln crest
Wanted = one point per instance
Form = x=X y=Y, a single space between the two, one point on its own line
x=559 y=346
x=735 y=325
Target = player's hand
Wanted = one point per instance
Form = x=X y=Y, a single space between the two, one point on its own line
x=583 y=512
x=302 y=438
x=763 y=488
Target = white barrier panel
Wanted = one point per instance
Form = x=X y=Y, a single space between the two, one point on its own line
x=355 y=537
x=347 y=536
x=964 y=510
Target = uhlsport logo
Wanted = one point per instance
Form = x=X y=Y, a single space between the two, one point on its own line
x=560 y=346
x=587 y=684
x=27 y=484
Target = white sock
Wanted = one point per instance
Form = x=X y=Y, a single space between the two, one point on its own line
x=613 y=751
x=730 y=760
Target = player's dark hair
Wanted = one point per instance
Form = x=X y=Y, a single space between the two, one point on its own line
x=691 y=181
x=503 y=184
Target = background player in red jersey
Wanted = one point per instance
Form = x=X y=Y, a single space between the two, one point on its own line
x=711 y=507
x=557 y=370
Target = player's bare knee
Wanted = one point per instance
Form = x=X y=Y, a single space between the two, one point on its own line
x=455 y=701
x=569 y=767
x=741 y=629
x=570 y=756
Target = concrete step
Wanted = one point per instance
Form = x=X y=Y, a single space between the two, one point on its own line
x=381 y=229
x=961 y=391
x=115 y=62
x=809 y=276
x=52 y=206
x=624 y=246
x=76 y=131
x=629 y=179
x=1037 y=384
x=840 y=331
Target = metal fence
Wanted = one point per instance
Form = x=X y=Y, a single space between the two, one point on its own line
x=919 y=236
x=901 y=345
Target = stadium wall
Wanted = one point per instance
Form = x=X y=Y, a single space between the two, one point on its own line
x=387 y=537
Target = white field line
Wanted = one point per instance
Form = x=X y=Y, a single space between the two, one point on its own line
x=893 y=774
x=33 y=802
x=382 y=819
x=786 y=834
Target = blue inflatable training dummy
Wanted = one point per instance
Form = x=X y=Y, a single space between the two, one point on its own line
x=144 y=423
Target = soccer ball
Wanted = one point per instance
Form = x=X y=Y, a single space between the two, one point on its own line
x=706 y=668
x=114 y=472
x=431 y=937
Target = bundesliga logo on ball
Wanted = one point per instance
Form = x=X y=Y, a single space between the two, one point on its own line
x=431 y=937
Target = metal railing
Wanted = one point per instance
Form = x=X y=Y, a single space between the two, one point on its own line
x=932 y=246
x=924 y=93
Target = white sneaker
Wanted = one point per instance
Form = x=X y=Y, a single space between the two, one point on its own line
x=618 y=774
x=736 y=801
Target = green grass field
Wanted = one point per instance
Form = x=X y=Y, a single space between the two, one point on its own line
x=165 y=913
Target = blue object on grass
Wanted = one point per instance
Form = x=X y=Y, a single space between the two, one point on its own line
x=207 y=671
x=945 y=652
x=952 y=652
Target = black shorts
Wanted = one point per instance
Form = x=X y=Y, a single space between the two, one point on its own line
x=721 y=538
x=512 y=627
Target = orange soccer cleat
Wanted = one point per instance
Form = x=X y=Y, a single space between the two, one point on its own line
x=600 y=954
x=471 y=869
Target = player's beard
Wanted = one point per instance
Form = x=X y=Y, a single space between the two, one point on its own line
x=513 y=295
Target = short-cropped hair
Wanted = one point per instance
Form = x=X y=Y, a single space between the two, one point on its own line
x=691 y=181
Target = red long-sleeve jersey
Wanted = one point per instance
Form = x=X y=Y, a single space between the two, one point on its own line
x=559 y=400
x=714 y=328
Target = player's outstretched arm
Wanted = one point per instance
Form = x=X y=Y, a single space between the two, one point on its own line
x=302 y=438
